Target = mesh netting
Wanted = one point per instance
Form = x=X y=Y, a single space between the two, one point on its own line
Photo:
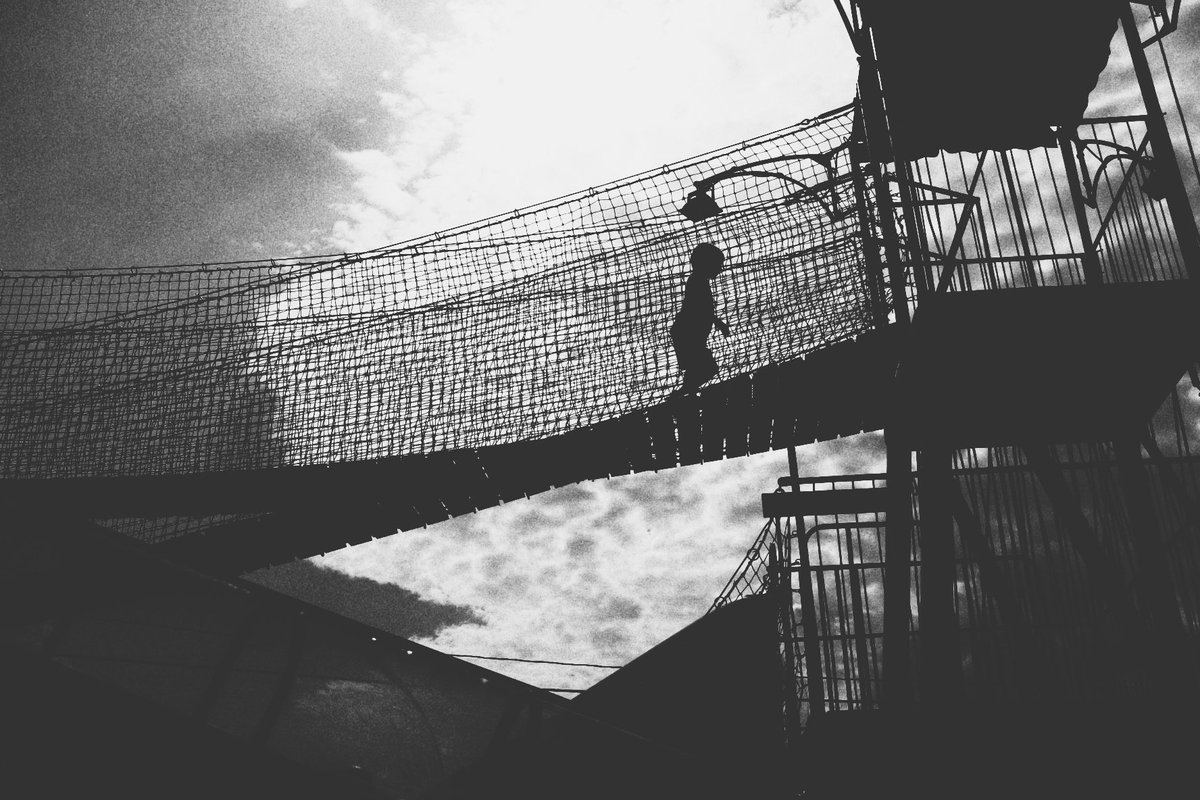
x=518 y=327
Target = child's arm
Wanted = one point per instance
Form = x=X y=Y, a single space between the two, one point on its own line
x=720 y=323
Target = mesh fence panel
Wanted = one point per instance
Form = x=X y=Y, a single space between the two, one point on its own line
x=518 y=327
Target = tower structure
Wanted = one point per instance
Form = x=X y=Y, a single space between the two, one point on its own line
x=966 y=259
x=1012 y=607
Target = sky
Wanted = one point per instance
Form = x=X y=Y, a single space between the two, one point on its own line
x=157 y=132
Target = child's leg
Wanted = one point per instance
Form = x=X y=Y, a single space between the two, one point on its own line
x=700 y=367
x=705 y=367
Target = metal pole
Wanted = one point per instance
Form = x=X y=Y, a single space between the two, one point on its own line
x=780 y=571
x=897 y=679
x=897 y=574
x=1091 y=261
x=860 y=626
x=874 y=266
x=1017 y=206
x=941 y=668
x=916 y=228
x=1164 y=152
x=808 y=611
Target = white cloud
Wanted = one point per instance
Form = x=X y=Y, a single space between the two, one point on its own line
x=597 y=572
x=523 y=101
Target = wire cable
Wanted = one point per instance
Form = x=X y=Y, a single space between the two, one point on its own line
x=537 y=661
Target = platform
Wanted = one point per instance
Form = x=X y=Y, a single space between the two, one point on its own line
x=993 y=77
x=1050 y=364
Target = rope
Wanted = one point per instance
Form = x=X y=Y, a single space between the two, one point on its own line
x=514 y=328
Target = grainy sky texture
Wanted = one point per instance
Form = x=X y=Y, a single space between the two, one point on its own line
x=155 y=132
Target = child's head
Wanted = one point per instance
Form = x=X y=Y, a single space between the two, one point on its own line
x=708 y=259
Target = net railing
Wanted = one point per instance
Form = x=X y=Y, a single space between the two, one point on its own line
x=519 y=327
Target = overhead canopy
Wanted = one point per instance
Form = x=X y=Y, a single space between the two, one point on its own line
x=986 y=75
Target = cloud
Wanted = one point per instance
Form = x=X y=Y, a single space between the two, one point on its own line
x=518 y=102
x=597 y=572
x=383 y=605
x=186 y=136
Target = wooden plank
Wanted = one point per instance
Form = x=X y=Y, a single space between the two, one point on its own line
x=793 y=387
x=764 y=387
x=686 y=412
x=426 y=494
x=505 y=480
x=527 y=462
x=738 y=416
x=661 y=421
x=575 y=456
x=602 y=449
x=403 y=514
x=469 y=472
x=446 y=481
x=713 y=423
x=636 y=442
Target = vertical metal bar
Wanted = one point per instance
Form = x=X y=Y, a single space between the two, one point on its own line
x=874 y=266
x=1164 y=152
x=915 y=228
x=808 y=612
x=941 y=669
x=1091 y=261
x=897 y=681
x=860 y=626
x=891 y=245
x=880 y=148
x=787 y=624
x=897 y=584
x=1031 y=277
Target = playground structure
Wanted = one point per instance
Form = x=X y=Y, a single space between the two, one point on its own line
x=1004 y=288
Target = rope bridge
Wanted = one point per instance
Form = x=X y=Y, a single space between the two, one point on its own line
x=520 y=327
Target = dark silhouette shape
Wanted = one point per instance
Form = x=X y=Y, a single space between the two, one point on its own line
x=381 y=605
x=696 y=318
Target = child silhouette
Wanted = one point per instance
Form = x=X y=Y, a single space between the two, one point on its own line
x=696 y=318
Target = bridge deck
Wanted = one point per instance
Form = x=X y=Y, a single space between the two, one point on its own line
x=1084 y=364
x=304 y=511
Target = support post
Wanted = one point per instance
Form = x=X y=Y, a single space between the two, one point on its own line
x=897 y=693
x=941 y=666
x=921 y=269
x=1164 y=152
x=779 y=570
x=874 y=266
x=879 y=148
x=861 y=632
x=1091 y=261
x=808 y=610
